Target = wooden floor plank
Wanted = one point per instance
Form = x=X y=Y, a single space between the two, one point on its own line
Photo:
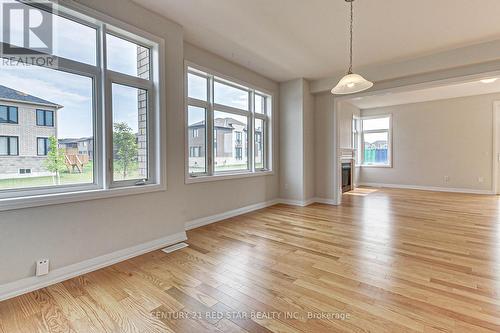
x=386 y=260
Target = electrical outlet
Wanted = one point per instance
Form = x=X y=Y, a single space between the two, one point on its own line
x=480 y=180
x=286 y=186
x=446 y=179
x=42 y=267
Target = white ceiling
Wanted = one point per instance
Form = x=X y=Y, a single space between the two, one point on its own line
x=286 y=39
x=463 y=89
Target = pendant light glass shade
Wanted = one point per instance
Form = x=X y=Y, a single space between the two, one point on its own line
x=350 y=84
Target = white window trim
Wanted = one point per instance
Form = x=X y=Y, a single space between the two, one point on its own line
x=102 y=186
x=389 y=142
x=210 y=175
x=356 y=134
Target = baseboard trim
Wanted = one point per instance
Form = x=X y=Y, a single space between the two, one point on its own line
x=304 y=203
x=300 y=203
x=429 y=188
x=326 y=201
x=30 y=284
x=247 y=209
x=226 y=215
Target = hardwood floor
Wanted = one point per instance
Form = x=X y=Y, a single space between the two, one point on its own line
x=384 y=261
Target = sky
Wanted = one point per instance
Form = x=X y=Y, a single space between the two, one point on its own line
x=376 y=124
x=74 y=92
x=223 y=94
x=77 y=42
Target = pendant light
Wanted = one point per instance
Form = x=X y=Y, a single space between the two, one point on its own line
x=351 y=83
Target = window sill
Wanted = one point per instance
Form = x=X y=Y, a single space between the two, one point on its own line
x=204 y=179
x=374 y=166
x=77 y=196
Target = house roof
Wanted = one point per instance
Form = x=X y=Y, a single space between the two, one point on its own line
x=221 y=122
x=10 y=94
x=74 y=140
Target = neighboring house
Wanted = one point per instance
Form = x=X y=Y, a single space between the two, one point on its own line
x=376 y=152
x=81 y=146
x=230 y=142
x=381 y=144
x=26 y=123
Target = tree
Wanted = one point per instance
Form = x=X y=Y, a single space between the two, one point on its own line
x=125 y=148
x=56 y=160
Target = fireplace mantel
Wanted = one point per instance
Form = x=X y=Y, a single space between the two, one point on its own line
x=346 y=154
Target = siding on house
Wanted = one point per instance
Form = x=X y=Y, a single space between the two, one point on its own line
x=226 y=142
x=27 y=132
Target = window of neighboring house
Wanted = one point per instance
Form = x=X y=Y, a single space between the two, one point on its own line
x=42 y=146
x=45 y=118
x=227 y=126
x=197 y=163
x=194 y=151
x=113 y=103
x=376 y=140
x=238 y=138
x=9 y=114
x=235 y=118
x=9 y=146
x=239 y=153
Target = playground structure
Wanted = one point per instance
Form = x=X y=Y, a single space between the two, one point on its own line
x=75 y=161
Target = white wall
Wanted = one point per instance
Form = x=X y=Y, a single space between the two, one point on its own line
x=297 y=141
x=71 y=233
x=325 y=146
x=326 y=119
x=309 y=130
x=435 y=139
x=346 y=113
x=291 y=140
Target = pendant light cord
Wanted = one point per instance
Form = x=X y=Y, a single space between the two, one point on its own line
x=350 y=48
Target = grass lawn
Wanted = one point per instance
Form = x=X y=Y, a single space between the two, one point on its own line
x=132 y=173
x=231 y=167
x=67 y=178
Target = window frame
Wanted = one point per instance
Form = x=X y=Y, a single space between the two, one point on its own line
x=9 y=120
x=45 y=112
x=45 y=146
x=210 y=108
x=9 y=137
x=356 y=139
x=389 y=141
x=102 y=185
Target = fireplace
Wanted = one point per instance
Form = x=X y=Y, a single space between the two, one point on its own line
x=346 y=176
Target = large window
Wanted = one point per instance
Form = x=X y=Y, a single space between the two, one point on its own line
x=372 y=138
x=9 y=146
x=44 y=118
x=8 y=114
x=42 y=146
x=87 y=120
x=227 y=126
